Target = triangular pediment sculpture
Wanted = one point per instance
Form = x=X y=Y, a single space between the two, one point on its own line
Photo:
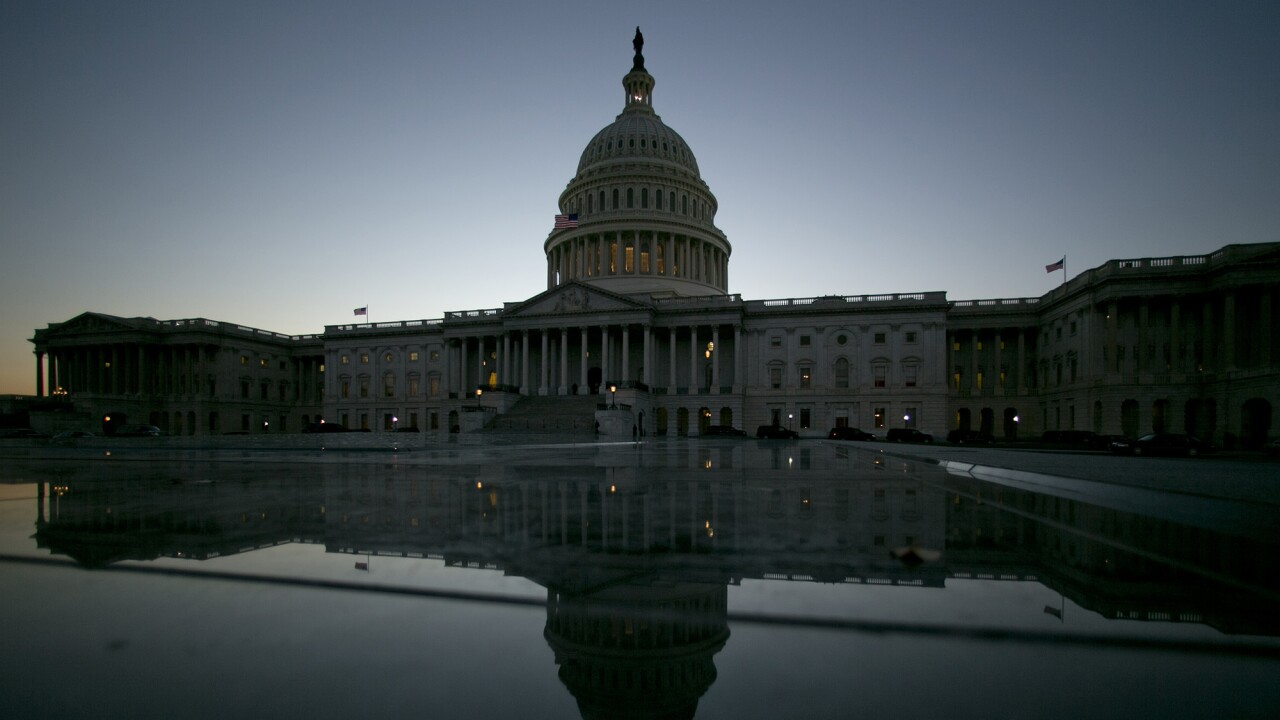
x=91 y=322
x=574 y=298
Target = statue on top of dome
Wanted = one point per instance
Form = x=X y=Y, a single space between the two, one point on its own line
x=638 y=43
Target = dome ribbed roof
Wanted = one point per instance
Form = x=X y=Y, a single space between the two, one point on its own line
x=637 y=136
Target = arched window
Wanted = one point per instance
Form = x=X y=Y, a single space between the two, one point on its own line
x=684 y=204
x=644 y=198
x=672 y=204
x=602 y=201
x=630 y=199
x=841 y=373
x=657 y=199
x=590 y=206
x=615 y=199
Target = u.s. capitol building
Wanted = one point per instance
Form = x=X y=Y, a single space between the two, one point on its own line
x=638 y=313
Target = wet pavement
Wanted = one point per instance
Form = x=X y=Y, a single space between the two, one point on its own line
x=681 y=578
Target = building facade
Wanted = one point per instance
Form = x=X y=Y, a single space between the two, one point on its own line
x=637 y=312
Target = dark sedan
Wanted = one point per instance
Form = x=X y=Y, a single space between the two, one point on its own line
x=776 y=432
x=1172 y=444
x=969 y=437
x=848 y=433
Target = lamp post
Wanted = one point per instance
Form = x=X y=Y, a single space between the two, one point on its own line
x=394 y=423
x=479 y=392
x=613 y=396
x=789 y=417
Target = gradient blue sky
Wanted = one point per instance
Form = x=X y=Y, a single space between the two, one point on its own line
x=277 y=164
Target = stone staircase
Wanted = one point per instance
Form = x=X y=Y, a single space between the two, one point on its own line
x=559 y=414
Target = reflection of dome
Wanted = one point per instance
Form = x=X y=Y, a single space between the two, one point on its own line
x=645 y=219
x=638 y=651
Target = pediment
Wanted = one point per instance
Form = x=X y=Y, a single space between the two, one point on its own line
x=93 y=323
x=574 y=298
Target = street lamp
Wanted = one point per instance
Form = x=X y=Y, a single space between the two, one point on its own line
x=394 y=422
x=789 y=417
x=479 y=392
x=613 y=400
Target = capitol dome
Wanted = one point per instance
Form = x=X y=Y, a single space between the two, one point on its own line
x=637 y=217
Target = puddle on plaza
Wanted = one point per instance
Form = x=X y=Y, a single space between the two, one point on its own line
x=674 y=578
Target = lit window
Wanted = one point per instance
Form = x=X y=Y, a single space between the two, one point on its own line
x=364 y=358
x=344 y=360
x=262 y=362
x=386 y=358
x=879 y=372
x=413 y=357
x=879 y=417
x=435 y=355
x=244 y=360
x=805 y=377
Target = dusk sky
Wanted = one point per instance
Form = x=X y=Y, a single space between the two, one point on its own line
x=277 y=164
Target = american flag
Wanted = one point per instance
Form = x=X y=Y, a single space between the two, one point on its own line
x=1055 y=266
x=363 y=311
x=566 y=221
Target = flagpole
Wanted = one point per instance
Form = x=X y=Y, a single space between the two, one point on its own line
x=1064 y=269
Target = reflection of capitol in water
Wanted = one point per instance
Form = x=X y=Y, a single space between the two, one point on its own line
x=637 y=549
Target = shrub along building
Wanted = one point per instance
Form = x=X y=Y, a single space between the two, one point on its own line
x=637 y=312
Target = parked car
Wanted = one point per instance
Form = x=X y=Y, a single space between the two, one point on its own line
x=324 y=427
x=1162 y=444
x=1078 y=438
x=724 y=431
x=776 y=432
x=969 y=437
x=848 y=433
x=908 y=435
x=73 y=435
x=137 y=431
x=21 y=433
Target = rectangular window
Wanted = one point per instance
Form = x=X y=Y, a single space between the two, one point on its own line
x=244 y=389
x=911 y=337
x=262 y=390
x=775 y=341
x=389 y=386
x=805 y=377
x=344 y=389
x=879 y=338
x=413 y=420
x=805 y=422
x=244 y=360
x=804 y=341
x=433 y=385
x=344 y=360
x=435 y=420
x=879 y=417
x=435 y=355
x=629 y=263
x=955 y=379
x=775 y=377
x=879 y=372
x=262 y=362
x=364 y=388
x=978 y=380
x=912 y=373
x=979 y=346
x=364 y=358
x=364 y=421
x=413 y=387
x=244 y=422
x=413 y=356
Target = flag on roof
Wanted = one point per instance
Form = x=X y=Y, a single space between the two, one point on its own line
x=1056 y=266
x=363 y=311
x=566 y=221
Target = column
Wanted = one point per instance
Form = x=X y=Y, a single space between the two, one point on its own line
x=582 y=360
x=973 y=362
x=544 y=364
x=143 y=386
x=1176 y=361
x=39 y=374
x=524 y=363
x=1266 y=331
x=648 y=355
x=504 y=363
x=1229 y=332
x=671 y=364
x=1143 y=359
x=715 y=359
x=739 y=360
x=463 y=390
x=1022 y=361
x=606 y=374
x=564 y=361
x=626 y=352
x=482 y=378
x=693 y=360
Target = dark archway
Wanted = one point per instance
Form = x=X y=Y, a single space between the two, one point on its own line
x=1011 y=423
x=964 y=419
x=1129 y=418
x=726 y=416
x=1255 y=423
x=704 y=420
x=662 y=421
x=682 y=421
x=1159 y=416
x=988 y=421
x=595 y=376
